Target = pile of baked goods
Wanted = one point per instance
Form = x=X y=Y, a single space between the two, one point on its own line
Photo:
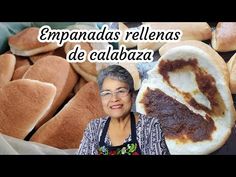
x=189 y=87
x=43 y=99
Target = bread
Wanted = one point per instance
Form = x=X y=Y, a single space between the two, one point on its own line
x=19 y=72
x=88 y=77
x=224 y=37
x=83 y=45
x=191 y=31
x=20 y=61
x=86 y=69
x=23 y=102
x=80 y=84
x=7 y=66
x=37 y=57
x=65 y=130
x=55 y=70
x=232 y=72
x=131 y=67
x=192 y=100
x=128 y=44
x=25 y=43
x=58 y=52
x=86 y=66
x=213 y=55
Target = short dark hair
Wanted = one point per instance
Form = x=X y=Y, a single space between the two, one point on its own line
x=116 y=72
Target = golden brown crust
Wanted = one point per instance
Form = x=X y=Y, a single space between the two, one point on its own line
x=23 y=102
x=25 y=43
x=58 y=52
x=88 y=77
x=7 y=67
x=19 y=72
x=55 y=70
x=37 y=57
x=26 y=39
x=80 y=84
x=66 y=129
x=86 y=66
x=20 y=61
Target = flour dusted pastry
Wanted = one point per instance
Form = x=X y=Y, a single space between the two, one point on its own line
x=25 y=43
x=224 y=37
x=187 y=91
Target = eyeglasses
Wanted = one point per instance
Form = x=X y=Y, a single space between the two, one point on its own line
x=122 y=92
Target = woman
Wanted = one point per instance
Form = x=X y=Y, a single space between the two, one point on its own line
x=122 y=131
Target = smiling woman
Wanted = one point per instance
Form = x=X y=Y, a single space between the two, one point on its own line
x=121 y=132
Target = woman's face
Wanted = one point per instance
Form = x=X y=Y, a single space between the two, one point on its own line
x=116 y=98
